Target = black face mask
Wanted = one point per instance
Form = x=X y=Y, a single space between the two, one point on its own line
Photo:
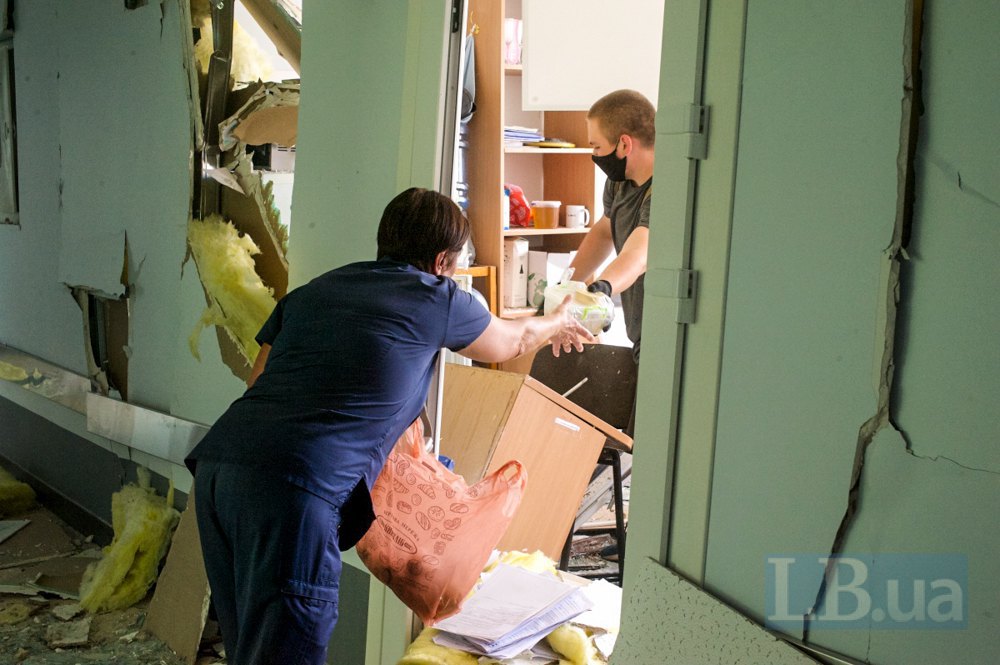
x=612 y=165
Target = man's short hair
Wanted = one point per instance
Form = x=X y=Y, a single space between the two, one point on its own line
x=418 y=225
x=625 y=112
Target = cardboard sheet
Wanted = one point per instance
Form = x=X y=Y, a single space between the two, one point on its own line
x=270 y=115
x=179 y=608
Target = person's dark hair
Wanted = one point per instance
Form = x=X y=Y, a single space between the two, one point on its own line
x=418 y=225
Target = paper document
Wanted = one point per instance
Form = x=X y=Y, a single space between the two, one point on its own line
x=511 y=612
x=509 y=597
x=606 y=599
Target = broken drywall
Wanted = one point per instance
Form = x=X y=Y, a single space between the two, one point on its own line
x=270 y=115
x=218 y=384
x=888 y=289
x=179 y=608
x=814 y=207
x=948 y=375
x=913 y=505
x=125 y=139
x=251 y=209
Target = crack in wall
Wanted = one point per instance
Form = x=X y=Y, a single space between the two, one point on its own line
x=951 y=171
x=893 y=254
x=935 y=458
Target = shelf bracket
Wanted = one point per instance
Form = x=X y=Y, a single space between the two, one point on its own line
x=679 y=285
x=683 y=128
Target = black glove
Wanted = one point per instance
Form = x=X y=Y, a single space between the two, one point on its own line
x=600 y=286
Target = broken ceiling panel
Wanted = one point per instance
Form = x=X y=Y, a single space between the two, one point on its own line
x=667 y=620
x=281 y=21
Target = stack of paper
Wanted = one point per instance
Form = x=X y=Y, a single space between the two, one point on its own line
x=511 y=612
x=517 y=136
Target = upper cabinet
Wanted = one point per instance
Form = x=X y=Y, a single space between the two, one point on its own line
x=576 y=51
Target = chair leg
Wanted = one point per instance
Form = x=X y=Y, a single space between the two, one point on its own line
x=564 y=557
x=618 y=491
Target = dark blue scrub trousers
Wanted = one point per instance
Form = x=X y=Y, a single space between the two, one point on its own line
x=273 y=564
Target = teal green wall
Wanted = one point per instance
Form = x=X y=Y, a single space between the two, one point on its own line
x=815 y=202
x=934 y=486
x=814 y=206
x=37 y=314
x=369 y=123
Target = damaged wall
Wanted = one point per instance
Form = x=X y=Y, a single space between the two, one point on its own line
x=815 y=208
x=125 y=141
x=104 y=153
x=934 y=486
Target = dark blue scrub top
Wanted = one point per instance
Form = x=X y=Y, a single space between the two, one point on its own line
x=351 y=360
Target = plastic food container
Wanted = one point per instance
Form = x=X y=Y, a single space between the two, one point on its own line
x=546 y=214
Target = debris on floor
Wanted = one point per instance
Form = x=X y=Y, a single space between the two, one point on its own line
x=143 y=523
x=15 y=496
x=41 y=622
x=593 y=551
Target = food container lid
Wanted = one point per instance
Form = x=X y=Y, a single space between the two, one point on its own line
x=546 y=204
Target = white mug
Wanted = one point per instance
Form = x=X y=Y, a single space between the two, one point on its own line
x=577 y=217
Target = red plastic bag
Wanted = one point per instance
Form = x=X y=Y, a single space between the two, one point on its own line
x=432 y=533
x=520 y=210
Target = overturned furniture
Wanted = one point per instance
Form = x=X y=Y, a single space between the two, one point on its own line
x=601 y=379
x=490 y=417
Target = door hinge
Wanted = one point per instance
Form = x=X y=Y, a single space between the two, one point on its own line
x=678 y=285
x=456 y=15
x=684 y=128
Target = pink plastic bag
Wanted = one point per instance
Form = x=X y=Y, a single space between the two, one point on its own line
x=520 y=210
x=432 y=533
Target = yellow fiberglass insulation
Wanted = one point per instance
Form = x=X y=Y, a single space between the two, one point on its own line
x=535 y=561
x=250 y=63
x=15 y=496
x=13 y=373
x=240 y=303
x=143 y=523
x=574 y=643
x=423 y=651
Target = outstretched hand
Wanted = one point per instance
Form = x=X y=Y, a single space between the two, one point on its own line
x=571 y=334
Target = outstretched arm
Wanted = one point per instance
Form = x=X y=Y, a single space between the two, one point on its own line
x=505 y=339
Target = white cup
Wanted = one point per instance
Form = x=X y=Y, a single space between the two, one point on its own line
x=577 y=217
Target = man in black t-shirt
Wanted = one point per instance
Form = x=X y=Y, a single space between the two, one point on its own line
x=620 y=128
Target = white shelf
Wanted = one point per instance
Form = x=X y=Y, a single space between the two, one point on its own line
x=528 y=150
x=530 y=231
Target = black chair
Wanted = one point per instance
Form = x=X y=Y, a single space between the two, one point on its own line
x=609 y=394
